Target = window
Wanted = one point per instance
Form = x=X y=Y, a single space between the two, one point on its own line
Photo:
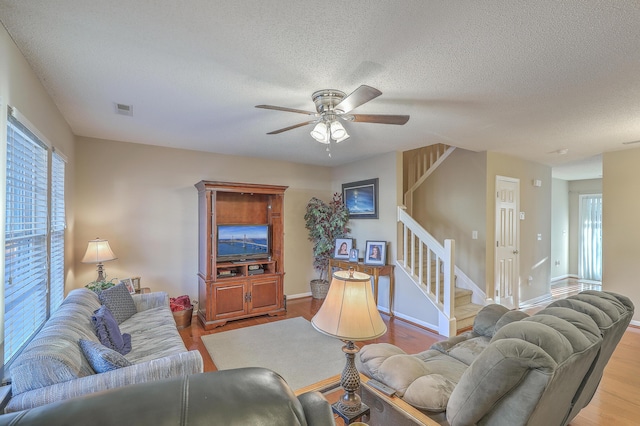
x=590 y=260
x=58 y=225
x=34 y=235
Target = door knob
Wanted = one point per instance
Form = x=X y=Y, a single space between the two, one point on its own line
x=516 y=251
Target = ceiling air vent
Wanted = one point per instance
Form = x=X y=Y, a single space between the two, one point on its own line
x=123 y=109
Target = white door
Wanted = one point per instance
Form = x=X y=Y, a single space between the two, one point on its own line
x=507 y=270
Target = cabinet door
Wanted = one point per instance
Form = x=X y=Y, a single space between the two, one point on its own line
x=229 y=299
x=266 y=294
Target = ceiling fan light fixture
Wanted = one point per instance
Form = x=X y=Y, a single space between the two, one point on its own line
x=345 y=137
x=320 y=133
x=332 y=106
x=337 y=130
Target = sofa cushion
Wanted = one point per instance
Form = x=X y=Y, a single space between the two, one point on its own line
x=510 y=317
x=153 y=335
x=372 y=356
x=485 y=322
x=119 y=301
x=425 y=380
x=108 y=331
x=102 y=358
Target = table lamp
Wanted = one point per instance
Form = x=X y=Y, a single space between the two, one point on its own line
x=349 y=312
x=98 y=251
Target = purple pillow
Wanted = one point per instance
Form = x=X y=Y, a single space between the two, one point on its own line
x=108 y=331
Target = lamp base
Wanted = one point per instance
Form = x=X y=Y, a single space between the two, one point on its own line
x=350 y=416
x=101 y=275
x=350 y=406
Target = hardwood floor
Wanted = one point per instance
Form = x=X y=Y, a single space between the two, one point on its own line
x=409 y=337
x=616 y=402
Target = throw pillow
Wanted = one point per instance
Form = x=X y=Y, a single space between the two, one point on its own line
x=101 y=358
x=108 y=331
x=119 y=301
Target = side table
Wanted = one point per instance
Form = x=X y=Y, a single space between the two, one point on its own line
x=383 y=410
x=373 y=270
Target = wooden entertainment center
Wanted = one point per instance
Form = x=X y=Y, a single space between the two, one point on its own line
x=230 y=290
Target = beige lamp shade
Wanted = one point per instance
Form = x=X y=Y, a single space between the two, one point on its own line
x=98 y=251
x=349 y=311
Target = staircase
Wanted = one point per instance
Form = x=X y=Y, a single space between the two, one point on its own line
x=430 y=264
x=464 y=310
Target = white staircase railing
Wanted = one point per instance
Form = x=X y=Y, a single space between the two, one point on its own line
x=420 y=253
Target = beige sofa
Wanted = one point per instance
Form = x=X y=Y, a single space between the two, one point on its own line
x=53 y=367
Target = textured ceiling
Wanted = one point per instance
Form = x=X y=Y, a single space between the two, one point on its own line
x=521 y=78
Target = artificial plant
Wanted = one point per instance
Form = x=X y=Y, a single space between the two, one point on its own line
x=98 y=286
x=325 y=222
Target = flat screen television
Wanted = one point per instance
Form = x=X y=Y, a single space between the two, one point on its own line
x=242 y=242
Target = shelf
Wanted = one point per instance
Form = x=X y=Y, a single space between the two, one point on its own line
x=243 y=269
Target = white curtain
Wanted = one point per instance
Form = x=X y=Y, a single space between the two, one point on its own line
x=590 y=261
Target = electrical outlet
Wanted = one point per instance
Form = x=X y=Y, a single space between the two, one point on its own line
x=474 y=235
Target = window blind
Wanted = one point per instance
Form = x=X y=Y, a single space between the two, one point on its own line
x=26 y=239
x=58 y=225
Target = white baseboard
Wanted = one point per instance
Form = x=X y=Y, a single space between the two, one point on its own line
x=635 y=323
x=564 y=277
x=298 y=296
x=478 y=296
x=416 y=321
x=385 y=310
x=535 y=300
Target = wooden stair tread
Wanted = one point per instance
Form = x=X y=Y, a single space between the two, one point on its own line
x=466 y=315
x=466 y=311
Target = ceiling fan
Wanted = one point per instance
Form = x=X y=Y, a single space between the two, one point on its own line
x=331 y=107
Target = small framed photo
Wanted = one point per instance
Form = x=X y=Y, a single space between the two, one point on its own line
x=353 y=255
x=361 y=198
x=128 y=282
x=343 y=247
x=136 y=282
x=375 y=253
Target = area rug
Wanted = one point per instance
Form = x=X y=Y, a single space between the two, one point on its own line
x=291 y=347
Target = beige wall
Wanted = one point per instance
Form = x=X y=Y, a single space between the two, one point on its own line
x=559 y=228
x=621 y=224
x=20 y=88
x=385 y=168
x=536 y=203
x=388 y=169
x=143 y=200
x=451 y=204
x=458 y=198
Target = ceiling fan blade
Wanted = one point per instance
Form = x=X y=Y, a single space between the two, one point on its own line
x=299 y=111
x=295 y=126
x=377 y=118
x=361 y=95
